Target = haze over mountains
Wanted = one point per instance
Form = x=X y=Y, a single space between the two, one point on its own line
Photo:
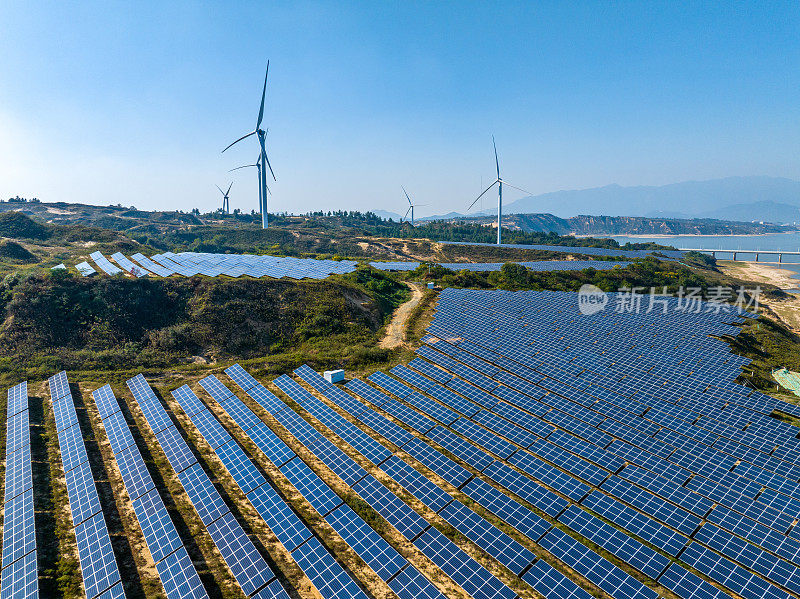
x=768 y=199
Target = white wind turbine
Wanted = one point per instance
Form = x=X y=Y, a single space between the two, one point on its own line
x=411 y=206
x=257 y=165
x=226 y=203
x=499 y=182
x=262 y=134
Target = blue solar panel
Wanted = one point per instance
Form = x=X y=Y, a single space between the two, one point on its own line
x=474 y=456
x=286 y=525
x=484 y=438
x=385 y=427
x=98 y=566
x=416 y=484
x=64 y=411
x=529 y=490
x=107 y=404
x=316 y=492
x=338 y=461
x=59 y=386
x=240 y=413
x=689 y=586
x=119 y=435
x=179 y=577
x=469 y=574
x=134 y=472
x=115 y=592
x=389 y=384
x=20 y=580
x=201 y=492
x=73 y=449
x=17 y=431
x=327 y=575
x=513 y=512
x=241 y=377
x=276 y=450
x=157 y=527
x=273 y=590
x=408 y=416
x=410 y=584
x=428 y=369
x=17 y=399
x=241 y=467
x=154 y=413
x=19 y=532
x=391 y=507
x=486 y=536
x=189 y=402
x=553 y=584
x=215 y=388
x=82 y=493
x=437 y=462
x=213 y=432
x=379 y=555
x=176 y=449
x=248 y=567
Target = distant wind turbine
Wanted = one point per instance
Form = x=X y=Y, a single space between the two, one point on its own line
x=262 y=176
x=226 y=203
x=411 y=206
x=499 y=182
x=257 y=165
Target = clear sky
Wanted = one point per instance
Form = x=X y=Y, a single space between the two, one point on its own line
x=131 y=102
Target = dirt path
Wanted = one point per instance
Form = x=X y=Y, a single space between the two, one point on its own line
x=395 y=332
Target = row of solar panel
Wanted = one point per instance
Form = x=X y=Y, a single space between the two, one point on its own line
x=19 y=575
x=537 y=266
x=99 y=568
x=189 y=264
x=684 y=496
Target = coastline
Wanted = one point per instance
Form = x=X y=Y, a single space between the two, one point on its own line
x=665 y=236
x=759 y=272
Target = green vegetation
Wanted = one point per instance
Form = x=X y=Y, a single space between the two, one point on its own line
x=13 y=252
x=55 y=320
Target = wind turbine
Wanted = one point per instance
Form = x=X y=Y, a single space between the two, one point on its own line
x=226 y=203
x=262 y=175
x=257 y=165
x=499 y=182
x=411 y=206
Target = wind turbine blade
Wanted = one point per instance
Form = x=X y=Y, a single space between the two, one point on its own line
x=517 y=188
x=407 y=211
x=496 y=161
x=222 y=192
x=264 y=156
x=263 y=94
x=408 y=198
x=240 y=139
x=482 y=193
x=229 y=188
x=243 y=166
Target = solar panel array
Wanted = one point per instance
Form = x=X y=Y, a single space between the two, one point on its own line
x=95 y=553
x=85 y=269
x=538 y=266
x=251 y=571
x=173 y=564
x=588 y=251
x=128 y=266
x=104 y=264
x=19 y=575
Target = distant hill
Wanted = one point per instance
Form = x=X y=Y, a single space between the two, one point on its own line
x=625 y=225
x=755 y=198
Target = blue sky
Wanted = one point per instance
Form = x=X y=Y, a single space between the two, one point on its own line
x=132 y=102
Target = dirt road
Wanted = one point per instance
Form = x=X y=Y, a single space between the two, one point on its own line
x=396 y=331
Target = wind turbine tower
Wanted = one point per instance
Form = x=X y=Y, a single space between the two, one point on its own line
x=257 y=165
x=226 y=202
x=411 y=206
x=499 y=182
x=262 y=175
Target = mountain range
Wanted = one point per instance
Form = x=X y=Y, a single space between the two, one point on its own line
x=767 y=199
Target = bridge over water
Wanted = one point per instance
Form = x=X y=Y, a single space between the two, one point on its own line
x=774 y=256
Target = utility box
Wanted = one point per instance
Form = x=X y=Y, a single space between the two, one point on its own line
x=334 y=376
x=430 y=285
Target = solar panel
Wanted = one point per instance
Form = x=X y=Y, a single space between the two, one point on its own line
x=465 y=571
x=175 y=448
x=179 y=577
x=83 y=500
x=64 y=411
x=437 y=462
x=325 y=573
x=242 y=469
x=19 y=532
x=17 y=432
x=157 y=527
x=201 y=492
x=248 y=567
x=241 y=377
x=689 y=586
x=410 y=584
x=188 y=401
x=316 y=492
x=379 y=555
x=286 y=525
x=106 y=403
x=119 y=435
x=273 y=447
x=416 y=484
x=96 y=556
x=551 y=583
x=17 y=399
x=134 y=473
x=338 y=461
x=20 y=580
x=392 y=508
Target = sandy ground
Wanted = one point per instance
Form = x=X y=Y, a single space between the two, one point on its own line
x=787 y=309
x=760 y=273
x=396 y=331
